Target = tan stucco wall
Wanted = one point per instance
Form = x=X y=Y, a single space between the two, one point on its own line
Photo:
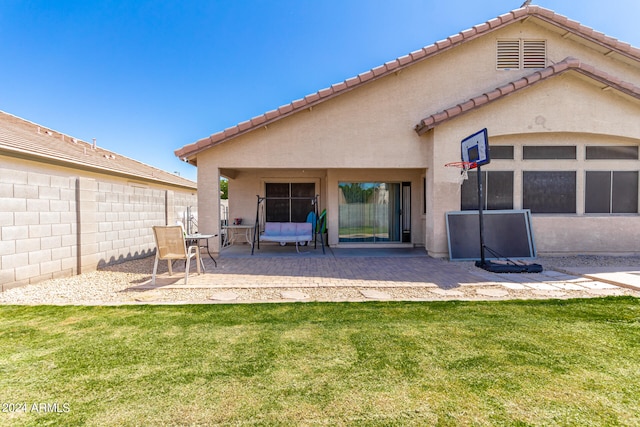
x=597 y=235
x=563 y=111
x=368 y=134
x=244 y=188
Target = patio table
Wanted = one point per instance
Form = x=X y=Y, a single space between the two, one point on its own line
x=232 y=231
x=198 y=238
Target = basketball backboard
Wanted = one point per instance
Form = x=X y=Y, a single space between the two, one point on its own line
x=475 y=148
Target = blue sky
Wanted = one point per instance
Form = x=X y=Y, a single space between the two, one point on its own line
x=147 y=77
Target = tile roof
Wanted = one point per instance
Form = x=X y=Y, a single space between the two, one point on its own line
x=24 y=139
x=546 y=15
x=568 y=64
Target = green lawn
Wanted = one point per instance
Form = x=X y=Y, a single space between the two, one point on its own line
x=520 y=363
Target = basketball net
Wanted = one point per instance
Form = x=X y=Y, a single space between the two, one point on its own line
x=464 y=169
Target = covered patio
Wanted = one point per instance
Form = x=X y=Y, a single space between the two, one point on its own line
x=366 y=208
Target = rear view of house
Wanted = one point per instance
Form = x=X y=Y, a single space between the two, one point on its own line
x=561 y=104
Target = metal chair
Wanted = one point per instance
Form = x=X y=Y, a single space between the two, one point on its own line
x=171 y=245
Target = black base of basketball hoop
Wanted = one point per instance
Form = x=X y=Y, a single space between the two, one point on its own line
x=498 y=267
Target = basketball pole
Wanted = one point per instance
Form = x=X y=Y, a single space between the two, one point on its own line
x=480 y=219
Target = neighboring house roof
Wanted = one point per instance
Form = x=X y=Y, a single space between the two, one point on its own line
x=24 y=139
x=570 y=28
x=568 y=64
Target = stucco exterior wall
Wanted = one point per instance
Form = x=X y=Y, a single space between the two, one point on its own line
x=57 y=222
x=250 y=183
x=589 y=235
x=564 y=111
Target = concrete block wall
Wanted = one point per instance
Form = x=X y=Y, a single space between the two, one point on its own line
x=182 y=201
x=38 y=227
x=125 y=215
x=54 y=224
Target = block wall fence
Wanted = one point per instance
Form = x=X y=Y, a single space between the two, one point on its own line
x=55 y=226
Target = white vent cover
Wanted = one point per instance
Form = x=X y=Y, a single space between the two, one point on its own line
x=521 y=54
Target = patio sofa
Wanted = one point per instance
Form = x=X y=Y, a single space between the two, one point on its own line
x=285 y=232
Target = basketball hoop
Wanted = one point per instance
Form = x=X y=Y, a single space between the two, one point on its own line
x=465 y=166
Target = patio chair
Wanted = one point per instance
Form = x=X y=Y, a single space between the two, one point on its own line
x=171 y=245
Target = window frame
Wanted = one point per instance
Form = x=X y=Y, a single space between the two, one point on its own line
x=613 y=192
x=289 y=198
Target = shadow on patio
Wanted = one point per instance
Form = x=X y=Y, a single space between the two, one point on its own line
x=281 y=267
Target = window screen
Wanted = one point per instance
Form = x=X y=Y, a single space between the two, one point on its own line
x=549 y=192
x=288 y=202
x=624 y=197
x=597 y=192
x=548 y=152
x=611 y=192
x=502 y=152
x=497 y=190
x=622 y=152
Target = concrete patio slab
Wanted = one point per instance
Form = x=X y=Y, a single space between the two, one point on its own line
x=540 y=286
x=569 y=286
x=598 y=285
x=353 y=269
x=335 y=276
x=513 y=286
x=628 y=277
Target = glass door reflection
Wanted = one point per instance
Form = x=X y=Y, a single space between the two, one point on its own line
x=369 y=212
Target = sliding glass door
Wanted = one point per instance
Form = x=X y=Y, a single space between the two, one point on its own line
x=370 y=212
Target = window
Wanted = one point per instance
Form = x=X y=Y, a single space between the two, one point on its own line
x=502 y=152
x=611 y=192
x=622 y=152
x=497 y=191
x=521 y=54
x=549 y=192
x=289 y=202
x=549 y=152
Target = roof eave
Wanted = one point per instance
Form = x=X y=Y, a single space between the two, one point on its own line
x=28 y=155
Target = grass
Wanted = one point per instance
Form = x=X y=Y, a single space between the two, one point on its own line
x=519 y=363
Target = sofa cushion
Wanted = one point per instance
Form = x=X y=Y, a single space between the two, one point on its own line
x=272 y=228
x=288 y=231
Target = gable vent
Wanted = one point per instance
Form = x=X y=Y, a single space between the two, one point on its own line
x=519 y=54
x=508 y=54
x=534 y=54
